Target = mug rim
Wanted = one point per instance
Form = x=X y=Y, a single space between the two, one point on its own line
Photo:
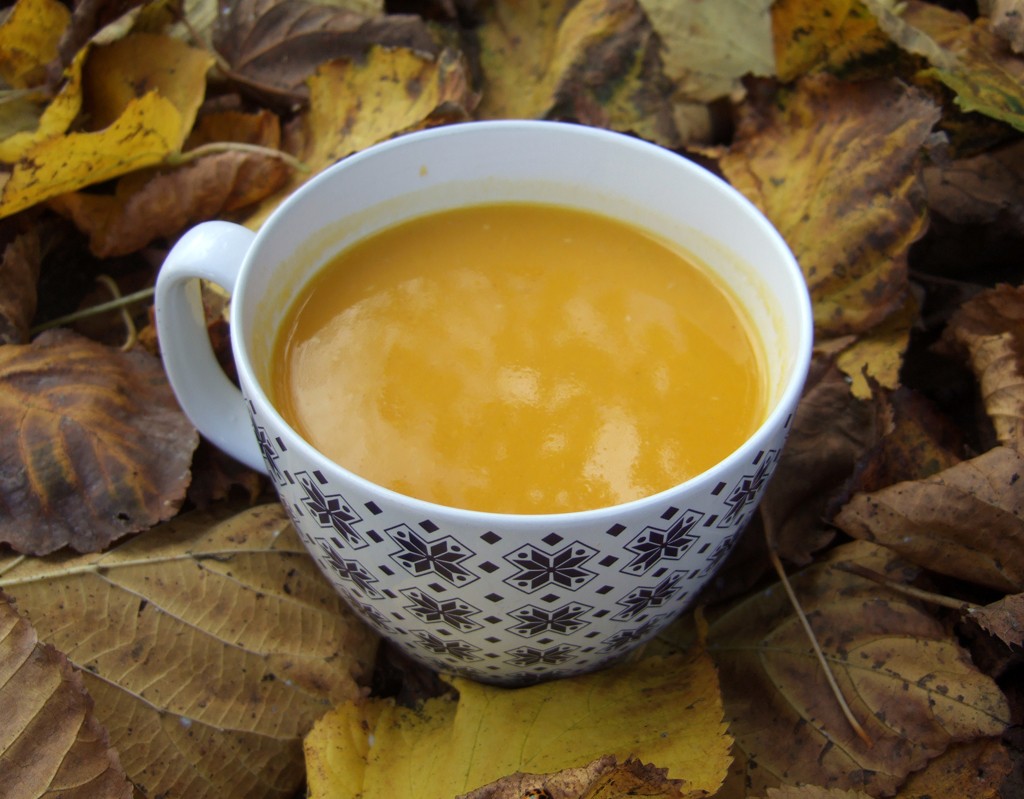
x=784 y=404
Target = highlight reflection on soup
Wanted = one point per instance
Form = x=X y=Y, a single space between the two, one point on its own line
x=519 y=358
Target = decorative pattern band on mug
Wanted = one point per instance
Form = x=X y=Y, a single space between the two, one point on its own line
x=513 y=608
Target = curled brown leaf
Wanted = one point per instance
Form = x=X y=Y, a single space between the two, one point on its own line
x=98 y=447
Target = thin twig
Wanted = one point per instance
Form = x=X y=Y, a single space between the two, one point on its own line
x=179 y=159
x=94 y=310
x=13 y=564
x=129 y=323
x=826 y=667
x=917 y=593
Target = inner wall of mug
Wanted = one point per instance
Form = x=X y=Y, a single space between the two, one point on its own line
x=548 y=163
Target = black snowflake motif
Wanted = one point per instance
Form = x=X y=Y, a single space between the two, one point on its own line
x=624 y=639
x=270 y=455
x=456 y=613
x=531 y=656
x=640 y=599
x=654 y=544
x=537 y=568
x=718 y=555
x=459 y=650
x=442 y=557
x=331 y=510
x=564 y=620
x=350 y=571
x=744 y=496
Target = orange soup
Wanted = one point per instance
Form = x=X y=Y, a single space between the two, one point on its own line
x=519 y=358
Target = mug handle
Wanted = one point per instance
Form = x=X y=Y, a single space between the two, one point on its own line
x=212 y=251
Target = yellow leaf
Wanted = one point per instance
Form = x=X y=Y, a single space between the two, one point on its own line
x=354 y=104
x=666 y=711
x=829 y=33
x=879 y=353
x=143 y=135
x=28 y=40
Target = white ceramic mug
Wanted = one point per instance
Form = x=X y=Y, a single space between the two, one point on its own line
x=501 y=598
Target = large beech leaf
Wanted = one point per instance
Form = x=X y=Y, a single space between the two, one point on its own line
x=664 y=711
x=908 y=682
x=50 y=741
x=275 y=45
x=966 y=521
x=989 y=329
x=97 y=445
x=835 y=166
x=210 y=644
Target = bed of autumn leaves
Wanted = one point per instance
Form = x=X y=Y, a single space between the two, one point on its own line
x=162 y=633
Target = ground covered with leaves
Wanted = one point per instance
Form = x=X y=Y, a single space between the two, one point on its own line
x=162 y=631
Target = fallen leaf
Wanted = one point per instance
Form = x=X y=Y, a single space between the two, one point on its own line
x=975 y=769
x=28 y=41
x=830 y=34
x=209 y=644
x=831 y=431
x=813 y=792
x=660 y=710
x=605 y=778
x=98 y=445
x=706 y=50
x=354 y=104
x=827 y=151
x=274 y=46
x=935 y=522
x=51 y=743
x=989 y=331
x=1006 y=20
x=1004 y=619
x=876 y=358
x=19 y=274
x=907 y=681
x=966 y=56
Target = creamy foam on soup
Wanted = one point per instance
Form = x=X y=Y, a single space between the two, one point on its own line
x=519 y=358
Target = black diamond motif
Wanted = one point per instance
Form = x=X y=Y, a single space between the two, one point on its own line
x=564 y=620
x=640 y=599
x=443 y=556
x=744 y=495
x=564 y=568
x=655 y=544
x=456 y=613
x=350 y=571
x=531 y=656
x=459 y=650
x=331 y=510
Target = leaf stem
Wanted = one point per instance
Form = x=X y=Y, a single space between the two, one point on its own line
x=179 y=159
x=129 y=323
x=95 y=310
x=13 y=564
x=805 y=623
x=917 y=593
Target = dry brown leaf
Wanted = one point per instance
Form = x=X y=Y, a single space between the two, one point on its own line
x=989 y=329
x=1004 y=619
x=98 y=447
x=274 y=46
x=210 y=644
x=908 y=682
x=826 y=151
x=19 y=274
x=813 y=792
x=975 y=769
x=830 y=433
x=605 y=778
x=50 y=741
x=1006 y=19
x=146 y=207
x=966 y=521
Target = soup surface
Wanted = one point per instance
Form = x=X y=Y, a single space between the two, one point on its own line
x=519 y=358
